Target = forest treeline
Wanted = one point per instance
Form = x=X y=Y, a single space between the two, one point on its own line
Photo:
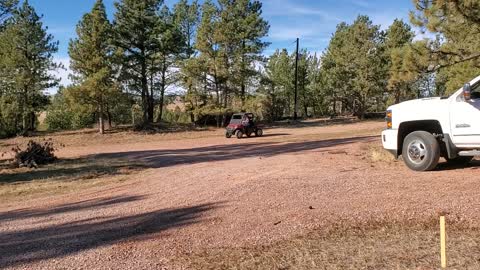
x=214 y=55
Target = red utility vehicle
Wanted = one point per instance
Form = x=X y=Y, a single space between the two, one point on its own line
x=243 y=124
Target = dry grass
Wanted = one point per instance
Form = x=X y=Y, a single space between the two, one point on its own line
x=90 y=137
x=370 y=246
x=374 y=152
x=75 y=174
x=62 y=177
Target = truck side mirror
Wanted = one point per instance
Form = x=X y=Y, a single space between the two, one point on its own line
x=467 y=91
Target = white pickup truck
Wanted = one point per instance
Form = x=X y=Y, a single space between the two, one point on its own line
x=423 y=130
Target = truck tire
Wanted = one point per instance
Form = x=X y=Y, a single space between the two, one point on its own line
x=459 y=161
x=421 y=151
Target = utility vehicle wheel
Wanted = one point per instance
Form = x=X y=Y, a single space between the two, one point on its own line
x=421 y=151
x=228 y=135
x=458 y=161
x=239 y=134
x=259 y=133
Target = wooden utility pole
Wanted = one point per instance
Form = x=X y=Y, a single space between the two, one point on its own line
x=295 y=113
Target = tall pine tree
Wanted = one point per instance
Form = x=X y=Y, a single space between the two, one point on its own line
x=31 y=63
x=136 y=37
x=355 y=66
x=240 y=31
x=91 y=60
x=171 y=48
x=187 y=18
x=398 y=40
x=455 y=53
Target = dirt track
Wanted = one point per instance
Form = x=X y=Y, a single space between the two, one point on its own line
x=195 y=194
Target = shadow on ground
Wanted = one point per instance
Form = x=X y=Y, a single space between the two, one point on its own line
x=125 y=162
x=316 y=123
x=69 y=169
x=173 y=157
x=473 y=165
x=68 y=208
x=269 y=135
x=33 y=245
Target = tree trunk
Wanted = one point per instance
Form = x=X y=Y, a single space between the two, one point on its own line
x=32 y=121
x=145 y=95
x=151 y=101
x=101 y=126
x=192 y=118
x=218 y=121
x=397 y=97
x=160 y=113
x=109 y=116
x=334 y=106
x=243 y=74
x=243 y=90
x=162 y=91
x=25 y=113
x=273 y=109
x=305 y=104
x=151 y=109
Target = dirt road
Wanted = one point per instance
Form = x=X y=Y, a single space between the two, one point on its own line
x=196 y=194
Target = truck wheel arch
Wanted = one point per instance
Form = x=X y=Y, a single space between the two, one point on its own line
x=405 y=128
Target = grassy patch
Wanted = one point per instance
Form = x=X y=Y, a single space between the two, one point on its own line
x=61 y=176
x=91 y=137
x=369 y=247
x=376 y=153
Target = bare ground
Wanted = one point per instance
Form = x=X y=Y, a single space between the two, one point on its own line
x=197 y=200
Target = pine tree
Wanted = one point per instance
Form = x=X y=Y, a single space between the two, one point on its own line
x=399 y=37
x=187 y=18
x=317 y=87
x=455 y=53
x=6 y=9
x=209 y=67
x=91 y=60
x=303 y=81
x=136 y=37
x=279 y=78
x=171 y=48
x=30 y=63
x=242 y=30
x=355 y=66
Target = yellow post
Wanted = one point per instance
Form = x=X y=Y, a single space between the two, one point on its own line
x=443 y=252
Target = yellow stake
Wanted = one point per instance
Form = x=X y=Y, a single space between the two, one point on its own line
x=443 y=252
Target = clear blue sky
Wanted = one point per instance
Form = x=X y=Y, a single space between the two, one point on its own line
x=313 y=21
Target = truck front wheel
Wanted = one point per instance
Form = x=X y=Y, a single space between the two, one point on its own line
x=421 y=151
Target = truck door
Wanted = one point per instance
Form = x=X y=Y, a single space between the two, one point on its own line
x=465 y=119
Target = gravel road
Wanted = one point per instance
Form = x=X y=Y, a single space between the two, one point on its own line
x=196 y=194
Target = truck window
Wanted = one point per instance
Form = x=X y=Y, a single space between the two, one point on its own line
x=476 y=91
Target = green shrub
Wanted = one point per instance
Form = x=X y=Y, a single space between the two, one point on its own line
x=9 y=117
x=176 y=117
x=59 y=120
x=83 y=120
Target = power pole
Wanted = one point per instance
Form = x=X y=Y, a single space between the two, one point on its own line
x=295 y=114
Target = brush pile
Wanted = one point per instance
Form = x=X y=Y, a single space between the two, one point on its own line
x=35 y=154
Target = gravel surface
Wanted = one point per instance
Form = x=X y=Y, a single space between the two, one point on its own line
x=213 y=192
